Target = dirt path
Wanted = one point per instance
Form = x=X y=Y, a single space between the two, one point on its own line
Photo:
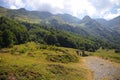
x=103 y=69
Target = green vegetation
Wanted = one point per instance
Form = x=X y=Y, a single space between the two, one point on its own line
x=106 y=54
x=85 y=27
x=29 y=62
x=62 y=58
x=18 y=33
x=117 y=50
x=11 y=33
x=7 y=38
x=51 y=36
x=30 y=51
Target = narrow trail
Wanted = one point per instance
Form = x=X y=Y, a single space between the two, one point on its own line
x=103 y=69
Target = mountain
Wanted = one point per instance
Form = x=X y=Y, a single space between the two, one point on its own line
x=99 y=28
x=86 y=19
x=12 y=32
x=110 y=23
x=68 y=18
x=102 y=21
x=115 y=22
x=35 y=16
x=94 y=28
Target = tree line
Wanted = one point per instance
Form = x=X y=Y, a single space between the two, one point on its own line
x=12 y=32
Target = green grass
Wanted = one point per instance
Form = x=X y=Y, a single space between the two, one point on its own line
x=29 y=62
x=63 y=58
x=106 y=54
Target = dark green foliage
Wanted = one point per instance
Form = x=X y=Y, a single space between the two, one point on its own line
x=117 y=50
x=12 y=33
x=0 y=39
x=8 y=38
x=46 y=35
x=52 y=36
x=66 y=41
x=51 y=39
x=85 y=27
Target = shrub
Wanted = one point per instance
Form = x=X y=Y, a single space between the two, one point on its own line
x=43 y=47
x=117 y=51
x=23 y=50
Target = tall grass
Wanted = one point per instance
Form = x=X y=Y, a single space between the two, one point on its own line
x=32 y=61
x=106 y=54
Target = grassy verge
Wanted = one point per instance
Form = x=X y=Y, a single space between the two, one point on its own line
x=106 y=54
x=32 y=61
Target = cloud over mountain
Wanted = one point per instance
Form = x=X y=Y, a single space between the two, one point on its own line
x=107 y=9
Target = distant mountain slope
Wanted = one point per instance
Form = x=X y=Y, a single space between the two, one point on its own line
x=110 y=23
x=94 y=28
x=115 y=22
x=44 y=35
x=68 y=18
x=103 y=22
x=99 y=28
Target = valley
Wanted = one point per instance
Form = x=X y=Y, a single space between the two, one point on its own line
x=39 y=45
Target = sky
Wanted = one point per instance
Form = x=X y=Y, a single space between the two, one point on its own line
x=106 y=9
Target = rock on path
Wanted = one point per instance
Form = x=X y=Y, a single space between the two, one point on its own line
x=103 y=69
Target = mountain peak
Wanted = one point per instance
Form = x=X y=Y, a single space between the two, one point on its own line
x=22 y=9
x=68 y=18
x=86 y=18
x=1 y=7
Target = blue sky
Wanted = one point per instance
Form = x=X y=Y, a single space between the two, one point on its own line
x=107 y=9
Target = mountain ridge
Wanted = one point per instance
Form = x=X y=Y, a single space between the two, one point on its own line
x=86 y=27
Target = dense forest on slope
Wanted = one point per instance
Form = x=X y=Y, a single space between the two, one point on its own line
x=12 y=32
x=98 y=28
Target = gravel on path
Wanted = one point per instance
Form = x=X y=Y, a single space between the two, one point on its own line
x=103 y=69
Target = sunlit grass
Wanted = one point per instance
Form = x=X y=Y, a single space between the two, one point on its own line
x=106 y=54
x=29 y=62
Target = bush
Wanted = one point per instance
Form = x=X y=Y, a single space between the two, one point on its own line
x=117 y=51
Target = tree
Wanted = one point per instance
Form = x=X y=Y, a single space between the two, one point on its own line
x=8 y=38
x=0 y=39
x=51 y=39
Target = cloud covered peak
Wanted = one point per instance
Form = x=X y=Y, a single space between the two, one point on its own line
x=107 y=9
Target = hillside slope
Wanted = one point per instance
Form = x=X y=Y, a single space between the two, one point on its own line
x=85 y=27
x=33 y=61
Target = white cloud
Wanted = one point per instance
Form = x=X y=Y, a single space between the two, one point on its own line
x=13 y=7
x=117 y=2
x=14 y=4
x=111 y=15
x=105 y=7
x=81 y=7
x=78 y=8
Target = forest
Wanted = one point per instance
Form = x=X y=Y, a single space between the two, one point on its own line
x=13 y=32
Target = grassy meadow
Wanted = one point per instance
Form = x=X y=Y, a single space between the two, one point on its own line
x=33 y=61
x=108 y=54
